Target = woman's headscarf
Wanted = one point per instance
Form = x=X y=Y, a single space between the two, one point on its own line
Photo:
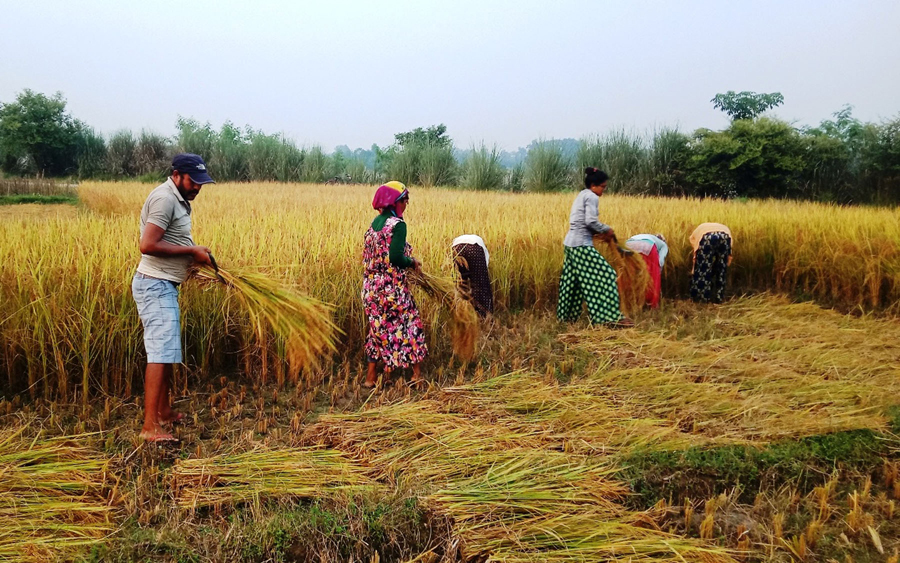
x=387 y=196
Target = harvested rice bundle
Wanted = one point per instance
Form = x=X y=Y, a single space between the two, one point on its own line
x=303 y=323
x=54 y=498
x=293 y=472
x=633 y=277
x=464 y=325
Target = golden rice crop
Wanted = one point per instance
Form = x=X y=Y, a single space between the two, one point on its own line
x=68 y=326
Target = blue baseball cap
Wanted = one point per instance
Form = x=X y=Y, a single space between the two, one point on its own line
x=193 y=166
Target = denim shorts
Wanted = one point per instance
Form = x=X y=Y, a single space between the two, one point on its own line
x=157 y=305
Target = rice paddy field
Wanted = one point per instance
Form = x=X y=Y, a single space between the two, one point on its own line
x=763 y=429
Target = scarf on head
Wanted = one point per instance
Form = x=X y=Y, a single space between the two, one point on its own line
x=388 y=195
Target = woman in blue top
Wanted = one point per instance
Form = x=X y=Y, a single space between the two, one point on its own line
x=586 y=275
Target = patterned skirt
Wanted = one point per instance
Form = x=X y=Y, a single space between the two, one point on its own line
x=587 y=276
x=473 y=269
x=711 y=268
x=396 y=335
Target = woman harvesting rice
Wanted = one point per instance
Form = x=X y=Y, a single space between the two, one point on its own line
x=586 y=275
x=396 y=336
x=471 y=257
x=712 y=244
x=653 y=249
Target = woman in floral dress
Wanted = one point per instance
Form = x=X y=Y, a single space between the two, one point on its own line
x=396 y=337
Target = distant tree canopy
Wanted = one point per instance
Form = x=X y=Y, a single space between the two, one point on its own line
x=434 y=136
x=37 y=136
x=843 y=159
x=746 y=105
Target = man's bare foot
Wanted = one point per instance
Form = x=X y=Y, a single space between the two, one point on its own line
x=370 y=384
x=172 y=417
x=157 y=435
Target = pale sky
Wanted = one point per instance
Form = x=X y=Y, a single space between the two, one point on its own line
x=336 y=72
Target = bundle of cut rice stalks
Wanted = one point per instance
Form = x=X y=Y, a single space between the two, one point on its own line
x=292 y=472
x=464 y=324
x=303 y=323
x=54 y=498
x=633 y=278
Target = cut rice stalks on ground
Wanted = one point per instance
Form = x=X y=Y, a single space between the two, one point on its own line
x=228 y=480
x=510 y=498
x=304 y=324
x=464 y=322
x=751 y=371
x=55 y=497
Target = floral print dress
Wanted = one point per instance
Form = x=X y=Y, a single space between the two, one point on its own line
x=396 y=335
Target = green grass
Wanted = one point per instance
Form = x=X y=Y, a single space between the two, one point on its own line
x=35 y=198
x=701 y=473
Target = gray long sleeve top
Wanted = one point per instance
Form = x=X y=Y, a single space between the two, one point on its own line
x=584 y=220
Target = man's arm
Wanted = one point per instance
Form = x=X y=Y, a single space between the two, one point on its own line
x=152 y=244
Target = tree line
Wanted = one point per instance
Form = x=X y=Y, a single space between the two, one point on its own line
x=842 y=159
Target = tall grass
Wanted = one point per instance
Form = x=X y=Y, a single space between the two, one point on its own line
x=547 y=169
x=621 y=155
x=482 y=169
x=68 y=327
x=120 y=161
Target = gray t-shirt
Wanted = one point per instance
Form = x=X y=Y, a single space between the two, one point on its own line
x=583 y=220
x=166 y=209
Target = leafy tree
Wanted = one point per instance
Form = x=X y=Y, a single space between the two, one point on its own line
x=434 y=136
x=37 y=135
x=758 y=158
x=746 y=105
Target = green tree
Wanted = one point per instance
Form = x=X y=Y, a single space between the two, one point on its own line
x=434 y=136
x=746 y=105
x=752 y=158
x=38 y=136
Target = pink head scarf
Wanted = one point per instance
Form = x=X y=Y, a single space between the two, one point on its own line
x=387 y=196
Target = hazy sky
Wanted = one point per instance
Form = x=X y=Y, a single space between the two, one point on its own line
x=340 y=72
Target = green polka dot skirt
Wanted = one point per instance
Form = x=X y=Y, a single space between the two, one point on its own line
x=587 y=276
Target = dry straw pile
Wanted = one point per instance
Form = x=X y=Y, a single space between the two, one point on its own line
x=54 y=497
x=228 y=480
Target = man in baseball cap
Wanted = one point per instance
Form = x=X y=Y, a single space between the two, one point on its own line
x=168 y=253
x=193 y=166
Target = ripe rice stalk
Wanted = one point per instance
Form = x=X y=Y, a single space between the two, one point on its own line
x=464 y=323
x=262 y=473
x=304 y=324
x=54 y=497
x=632 y=277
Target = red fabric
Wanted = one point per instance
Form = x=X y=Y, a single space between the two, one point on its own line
x=654 y=289
x=385 y=198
